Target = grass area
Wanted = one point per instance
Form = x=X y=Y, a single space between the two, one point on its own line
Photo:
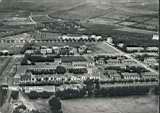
x=102 y=48
x=139 y=104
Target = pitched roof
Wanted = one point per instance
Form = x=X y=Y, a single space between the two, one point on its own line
x=67 y=59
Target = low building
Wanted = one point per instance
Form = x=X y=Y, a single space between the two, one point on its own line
x=82 y=49
x=129 y=62
x=17 y=79
x=113 y=74
x=100 y=61
x=155 y=36
x=29 y=52
x=110 y=40
x=71 y=86
x=78 y=37
x=134 y=49
x=130 y=76
x=74 y=61
x=152 y=49
x=150 y=61
x=17 y=39
x=4 y=52
x=113 y=61
x=29 y=78
x=39 y=89
x=149 y=75
x=57 y=60
x=56 y=49
x=46 y=51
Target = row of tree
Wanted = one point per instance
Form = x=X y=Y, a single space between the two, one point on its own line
x=55 y=105
x=129 y=69
x=122 y=91
x=42 y=71
x=93 y=89
x=6 y=54
x=3 y=94
x=40 y=58
x=78 y=70
x=71 y=93
x=36 y=95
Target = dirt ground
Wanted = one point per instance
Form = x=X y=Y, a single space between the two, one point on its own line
x=137 y=104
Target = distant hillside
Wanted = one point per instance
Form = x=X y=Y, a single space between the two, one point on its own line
x=100 y=10
x=58 y=5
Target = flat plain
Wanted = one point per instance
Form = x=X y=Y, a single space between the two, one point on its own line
x=137 y=104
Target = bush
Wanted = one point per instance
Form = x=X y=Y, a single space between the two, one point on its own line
x=40 y=58
x=24 y=61
x=60 y=70
x=123 y=91
x=55 y=105
x=78 y=70
x=45 y=94
x=71 y=93
x=33 y=95
x=14 y=94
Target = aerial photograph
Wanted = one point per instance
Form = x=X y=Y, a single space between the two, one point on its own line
x=79 y=56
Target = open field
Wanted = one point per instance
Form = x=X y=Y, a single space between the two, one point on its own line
x=134 y=104
x=146 y=104
x=102 y=48
x=39 y=104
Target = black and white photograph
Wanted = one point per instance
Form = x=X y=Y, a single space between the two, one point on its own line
x=79 y=56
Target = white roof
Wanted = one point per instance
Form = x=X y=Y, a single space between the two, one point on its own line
x=4 y=51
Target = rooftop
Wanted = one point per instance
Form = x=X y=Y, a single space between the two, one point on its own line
x=67 y=59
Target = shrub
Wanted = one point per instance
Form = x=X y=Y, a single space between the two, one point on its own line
x=14 y=94
x=33 y=95
x=55 y=105
x=60 y=70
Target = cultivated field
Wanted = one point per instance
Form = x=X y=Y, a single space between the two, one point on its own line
x=146 y=104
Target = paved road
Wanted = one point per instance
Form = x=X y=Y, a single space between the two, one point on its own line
x=130 y=57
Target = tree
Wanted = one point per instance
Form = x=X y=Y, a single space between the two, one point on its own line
x=60 y=70
x=14 y=94
x=89 y=86
x=33 y=95
x=55 y=105
x=26 y=46
x=97 y=84
x=24 y=61
x=45 y=94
